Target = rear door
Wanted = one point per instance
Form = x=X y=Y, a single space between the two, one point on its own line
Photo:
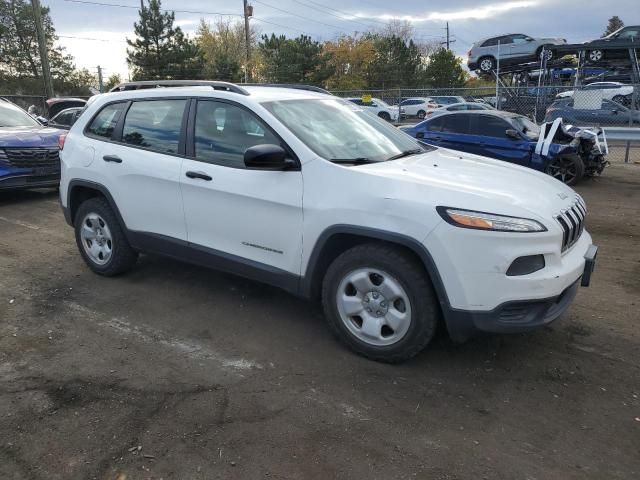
x=235 y=212
x=450 y=131
x=141 y=165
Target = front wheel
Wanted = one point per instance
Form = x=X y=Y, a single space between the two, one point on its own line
x=546 y=53
x=569 y=169
x=596 y=55
x=379 y=301
x=422 y=114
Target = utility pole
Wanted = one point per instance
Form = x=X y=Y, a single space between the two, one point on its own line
x=100 y=84
x=449 y=41
x=248 y=12
x=42 y=44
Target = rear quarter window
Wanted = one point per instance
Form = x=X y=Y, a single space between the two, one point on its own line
x=104 y=123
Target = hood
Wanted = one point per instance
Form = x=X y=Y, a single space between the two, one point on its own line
x=29 y=137
x=454 y=179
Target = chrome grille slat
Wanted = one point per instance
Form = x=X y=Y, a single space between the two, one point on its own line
x=572 y=222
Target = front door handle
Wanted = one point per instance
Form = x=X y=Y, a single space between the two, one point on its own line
x=112 y=158
x=200 y=175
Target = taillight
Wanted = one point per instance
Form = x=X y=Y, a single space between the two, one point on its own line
x=61 y=140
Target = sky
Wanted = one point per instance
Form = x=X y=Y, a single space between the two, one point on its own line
x=96 y=34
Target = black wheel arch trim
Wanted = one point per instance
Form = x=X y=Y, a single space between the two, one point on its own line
x=307 y=284
x=69 y=209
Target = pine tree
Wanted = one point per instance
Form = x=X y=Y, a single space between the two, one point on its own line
x=615 y=23
x=159 y=50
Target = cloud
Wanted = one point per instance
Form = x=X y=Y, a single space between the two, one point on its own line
x=476 y=13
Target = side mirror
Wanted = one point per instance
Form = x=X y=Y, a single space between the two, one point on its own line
x=266 y=157
x=42 y=120
x=513 y=134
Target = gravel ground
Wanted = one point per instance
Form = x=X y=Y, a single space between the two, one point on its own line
x=177 y=372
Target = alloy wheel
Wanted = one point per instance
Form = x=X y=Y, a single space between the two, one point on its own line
x=563 y=169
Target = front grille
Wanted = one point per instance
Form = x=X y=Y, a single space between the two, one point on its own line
x=30 y=157
x=572 y=222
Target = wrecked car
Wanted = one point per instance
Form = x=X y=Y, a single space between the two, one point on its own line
x=564 y=152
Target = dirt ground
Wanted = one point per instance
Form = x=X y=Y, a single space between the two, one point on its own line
x=178 y=372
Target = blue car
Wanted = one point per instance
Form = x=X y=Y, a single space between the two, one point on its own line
x=514 y=138
x=29 y=151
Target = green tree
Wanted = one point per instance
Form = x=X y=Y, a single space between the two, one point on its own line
x=615 y=23
x=396 y=63
x=293 y=60
x=444 y=70
x=159 y=50
x=224 y=51
x=19 y=54
x=113 y=80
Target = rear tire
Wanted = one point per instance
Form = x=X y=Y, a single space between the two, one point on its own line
x=101 y=239
x=385 y=116
x=422 y=114
x=595 y=56
x=487 y=64
x=568 y=169
x=379 y=302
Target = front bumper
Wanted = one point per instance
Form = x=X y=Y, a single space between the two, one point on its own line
x=20 y=182
x=519 y=316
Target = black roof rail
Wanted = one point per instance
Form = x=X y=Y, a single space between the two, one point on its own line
x=296 y=86
x=226 y=86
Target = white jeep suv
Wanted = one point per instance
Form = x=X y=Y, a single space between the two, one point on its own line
x=307 y=192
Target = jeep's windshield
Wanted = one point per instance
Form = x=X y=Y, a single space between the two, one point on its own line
x=12 y=116
x=339 y=130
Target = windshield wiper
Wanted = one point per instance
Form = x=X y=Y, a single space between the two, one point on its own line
x=352 y=161
x=406 y=153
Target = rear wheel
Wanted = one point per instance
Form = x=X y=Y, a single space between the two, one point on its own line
x=101 y=239
x=385 y=116
x=422 y=114
x=546 y=53
x=623 y=100
x=487 y=64
x=569 y=169
x=379 y=301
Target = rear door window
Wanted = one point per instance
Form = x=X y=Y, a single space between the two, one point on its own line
x=154 y=124
x=455 y=124
x=104 y=123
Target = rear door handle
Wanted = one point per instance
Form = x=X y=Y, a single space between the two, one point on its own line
x=112 y=158
x=200 y=175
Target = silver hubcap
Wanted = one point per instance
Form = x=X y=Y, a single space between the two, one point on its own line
x=486 y=65
x=374 y=306
x=96 y=238
x=548 y=55
x=596 y=55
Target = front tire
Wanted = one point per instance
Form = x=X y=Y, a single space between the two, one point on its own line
x=422 y=114
x=596 y=56
x=379 y=302
x=549 y=54
x=101 y=239
x=385 y=116
x=568 y=169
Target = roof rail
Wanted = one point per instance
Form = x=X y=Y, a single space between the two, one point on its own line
x=226 y=86
x=296 y=86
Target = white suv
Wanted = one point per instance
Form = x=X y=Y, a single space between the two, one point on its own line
x=307 y=192
x=417 y=107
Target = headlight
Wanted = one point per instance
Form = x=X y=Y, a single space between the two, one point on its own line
x=489 y=221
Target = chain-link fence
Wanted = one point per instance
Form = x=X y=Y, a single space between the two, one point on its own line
x=613 y=107
x=25 y=101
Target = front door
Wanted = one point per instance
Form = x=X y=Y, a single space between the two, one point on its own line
x=490 y=134
x=242 y=214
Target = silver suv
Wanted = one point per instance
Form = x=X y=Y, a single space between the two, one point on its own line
x=511 y=49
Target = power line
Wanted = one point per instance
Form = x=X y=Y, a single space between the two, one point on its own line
x=102 y=4
x=296 y=15
x=325 y=11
